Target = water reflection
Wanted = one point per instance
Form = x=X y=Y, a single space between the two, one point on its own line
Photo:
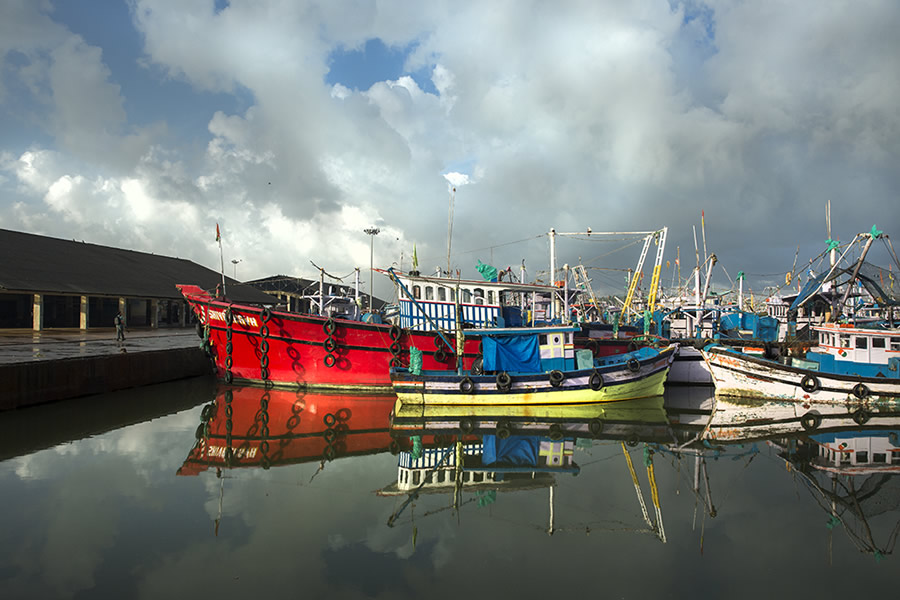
x=331 y=491
x=260 y=427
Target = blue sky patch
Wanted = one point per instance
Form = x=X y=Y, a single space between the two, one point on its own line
x=359 y=69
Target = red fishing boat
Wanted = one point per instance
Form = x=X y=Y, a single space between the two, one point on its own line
x=258 y=345
x=259 y=427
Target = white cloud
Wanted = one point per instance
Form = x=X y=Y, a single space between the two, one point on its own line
x=577 y=113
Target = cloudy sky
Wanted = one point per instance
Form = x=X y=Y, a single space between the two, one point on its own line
x=297 y=124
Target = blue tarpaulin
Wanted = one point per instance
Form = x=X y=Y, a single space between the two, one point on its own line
x=519 y=450
x=512 y=353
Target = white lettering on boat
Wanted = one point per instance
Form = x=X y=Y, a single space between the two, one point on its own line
x=219 y=452
x=245 y=320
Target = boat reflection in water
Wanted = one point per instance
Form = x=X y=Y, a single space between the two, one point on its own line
x=485 y=451
x=853 y=477
x=848 y=460
x=259 y=427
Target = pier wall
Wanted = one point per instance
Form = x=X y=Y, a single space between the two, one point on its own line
x=27 y=384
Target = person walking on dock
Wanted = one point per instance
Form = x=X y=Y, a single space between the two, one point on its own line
x=120 y=327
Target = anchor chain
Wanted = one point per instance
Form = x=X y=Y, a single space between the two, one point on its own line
x=229 y=425
x=229 y=348
x=329 y=344
x=264 y=346
x=263 y=419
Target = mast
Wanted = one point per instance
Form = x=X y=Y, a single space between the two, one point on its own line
x=552 y=271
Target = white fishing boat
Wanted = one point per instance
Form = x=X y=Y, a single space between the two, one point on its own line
x=853 y=363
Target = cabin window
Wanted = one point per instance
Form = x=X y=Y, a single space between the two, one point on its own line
x=862 y=457
x=878 y=342
x=452 y=293
x=416 y=477
x=879 y=457
x=895 y=344
x=862 y=343
x=845 y=341
x=417 y=292
x=429 y=293
x=442 y=294
x=556 y=340
x=542 y=340
x=479 y=296
x=490 y=297
x=465 y=296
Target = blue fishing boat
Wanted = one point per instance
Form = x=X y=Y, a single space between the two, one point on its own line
x=537 y=366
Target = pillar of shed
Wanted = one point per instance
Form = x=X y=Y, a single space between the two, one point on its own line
x=182 y=313
x=154 y=314
x=123 y=308
x=83 y=321
x=38 y=313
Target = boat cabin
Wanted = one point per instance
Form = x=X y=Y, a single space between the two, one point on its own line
x=430 y=302
x=531 y=349
x=848 y=343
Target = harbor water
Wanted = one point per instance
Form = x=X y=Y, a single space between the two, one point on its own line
x=131 y=495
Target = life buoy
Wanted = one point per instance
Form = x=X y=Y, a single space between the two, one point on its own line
x=328 y=327
x=557 y=377
x=329 y=435
x=329 y=420
x=596 y=380
x=595 y=427
x=329 y=360
x=809 y=383
x=861 y=391
x=395 y=362
x=503 y=430
x=395 y=348
x=438 y=342
x=467 y=386
x=860 y=416
x=632 y=440
x=556 y=432
x=633 y=365
x=440 y=355
x=466 y=425
x=330 y=344
x=394 y=332
x=811 y=421
x=504 y=381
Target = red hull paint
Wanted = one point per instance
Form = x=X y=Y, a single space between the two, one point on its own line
x=298 y=347
x=302 y=427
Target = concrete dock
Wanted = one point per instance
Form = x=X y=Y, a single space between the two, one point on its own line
x=40 y=367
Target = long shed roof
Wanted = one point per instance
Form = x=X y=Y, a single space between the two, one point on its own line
x=31 y=263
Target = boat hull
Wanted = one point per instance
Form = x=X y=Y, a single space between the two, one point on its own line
x=250 y=345
x=260 y=427
x=618 y=383
x=736 y=374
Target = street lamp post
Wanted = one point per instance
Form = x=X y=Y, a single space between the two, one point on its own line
x=235 y=262
x=371 y=231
